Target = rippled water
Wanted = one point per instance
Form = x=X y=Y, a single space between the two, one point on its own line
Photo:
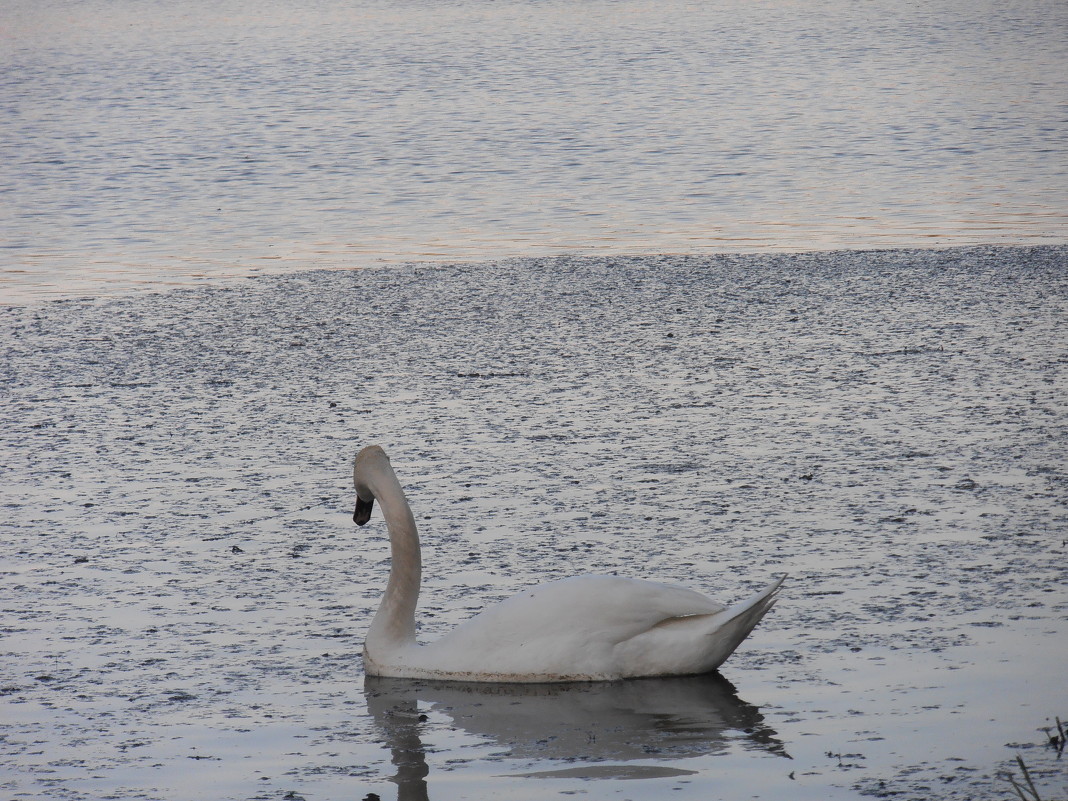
x=154 y=142
x=184 y=595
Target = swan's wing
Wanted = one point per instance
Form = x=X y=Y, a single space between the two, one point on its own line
x=695 y=643
x=569 y=626
x=596 y=604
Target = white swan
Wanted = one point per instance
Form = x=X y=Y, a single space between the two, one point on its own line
x=587 y=628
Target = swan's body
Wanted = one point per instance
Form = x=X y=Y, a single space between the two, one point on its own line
x=585 y=628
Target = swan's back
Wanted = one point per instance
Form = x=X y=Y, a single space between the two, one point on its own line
x=613 y=608
x=564 y=629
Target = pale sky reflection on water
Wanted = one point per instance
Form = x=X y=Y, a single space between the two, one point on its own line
x=167 y=143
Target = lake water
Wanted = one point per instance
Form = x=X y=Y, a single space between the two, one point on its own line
x=184 y=596
x=160 y=142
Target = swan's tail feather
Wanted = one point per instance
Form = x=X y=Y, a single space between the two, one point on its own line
x=736 y=622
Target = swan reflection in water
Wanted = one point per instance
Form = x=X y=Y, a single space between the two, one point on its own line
x=654 y=720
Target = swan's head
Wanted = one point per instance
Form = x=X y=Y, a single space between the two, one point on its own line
x=368 y=462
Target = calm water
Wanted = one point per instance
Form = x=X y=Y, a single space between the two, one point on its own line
x=150 y=141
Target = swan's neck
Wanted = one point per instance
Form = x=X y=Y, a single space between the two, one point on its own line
x=394 y=623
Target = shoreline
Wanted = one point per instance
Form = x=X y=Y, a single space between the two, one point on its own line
x=25 y=292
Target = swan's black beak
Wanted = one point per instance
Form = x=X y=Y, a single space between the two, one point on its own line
x=363 y=511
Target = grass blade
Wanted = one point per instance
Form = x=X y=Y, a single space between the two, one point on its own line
x=1027 y=777
x=1018 y=789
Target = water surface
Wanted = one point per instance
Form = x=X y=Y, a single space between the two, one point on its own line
x=168 y=142
x=185 y=596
